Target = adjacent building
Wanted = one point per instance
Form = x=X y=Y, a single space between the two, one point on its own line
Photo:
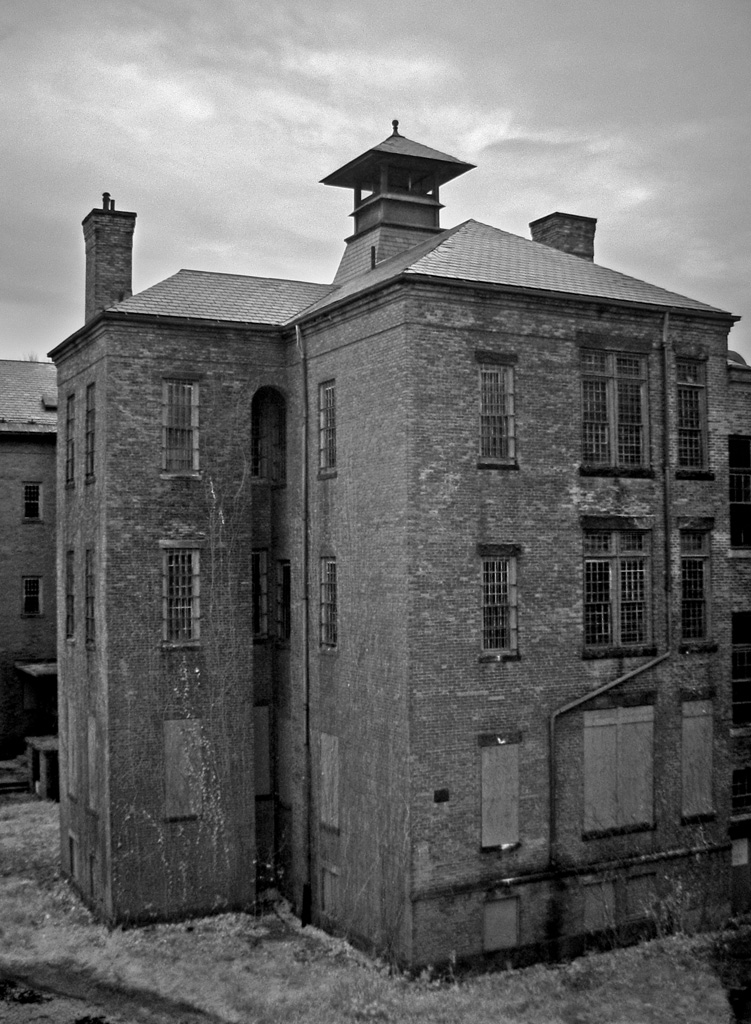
x=420 y=593
x=28 y=616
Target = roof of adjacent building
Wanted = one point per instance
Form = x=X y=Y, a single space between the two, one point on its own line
x=28 y=397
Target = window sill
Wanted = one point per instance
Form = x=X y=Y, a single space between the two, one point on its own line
x=698 y=819
x=490 y=657
x=595 y=653
x=328 y=651
x=501 y=848
x=740 y=729
x=333 y=830
x=699 y=647
x=32 y=615
x=262 y=640
x=31 y=520
x=635 y=472
x=184 y=474
x=70 y=641
x=89 y=479
x=739 y=553
x=694 y=474
x=70 y=485
x=497 y=464
x=177 y=818
x=180 y=645
x=622 y=830
x=327 y=474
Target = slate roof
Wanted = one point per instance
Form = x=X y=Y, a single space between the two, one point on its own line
x=28 y=397
x=235 y=297
x=476 y=252
x=365 y=167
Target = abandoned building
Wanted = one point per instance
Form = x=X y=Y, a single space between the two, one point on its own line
x=28 y=614
x=423 y=595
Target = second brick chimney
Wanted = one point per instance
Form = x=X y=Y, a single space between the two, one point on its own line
x=108 y=234
x=568 y=232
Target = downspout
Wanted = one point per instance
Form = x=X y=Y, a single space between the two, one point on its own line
x=667 y=578
x=307 y=889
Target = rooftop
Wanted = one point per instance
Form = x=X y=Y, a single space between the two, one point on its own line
x=28 y=397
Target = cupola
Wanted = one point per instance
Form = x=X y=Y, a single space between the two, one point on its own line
x=396 y=191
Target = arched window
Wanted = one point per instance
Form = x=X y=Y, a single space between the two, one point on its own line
x=268 y=454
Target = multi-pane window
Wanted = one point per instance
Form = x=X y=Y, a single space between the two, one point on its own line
x=739 y=457
x=618 y=759
x=283 y=600
x=32 y=501
x=614 y=405
x=497 y=433
x=741 y=797
x=180 y=426
x=90 y=622
x=327 y=425
x=260 y=591
x=741 y=639
x=70 y=597
x=691 y=414
x=616 y=588
x=90 y=430
x=32 y=595
x=499 y=604
x=70 y=439
x=181 y=594
x=268 y=445
x=694 y=584
x=329 y=632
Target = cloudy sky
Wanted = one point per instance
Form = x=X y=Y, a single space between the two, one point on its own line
x=215 y=119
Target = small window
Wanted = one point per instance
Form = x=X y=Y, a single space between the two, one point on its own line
x=614 y=409
x=70 y=440
x=741 y=797
x=90 y=622
x=327 y=425
x=32 y=595
x=90 y=431
x=694 y=585
x=739 y=457
x=616 y=588
x=618 y=758
x=32 y=501
x=260 y=588
x=499 y=605
x=329 y=603
x=180 y=426
x=70 y=602
x=329 y=780
x=497 y=421
x=500 y=791
x=283 y=600
x=692 y=414
x=741 y=639
x=181 y=595
x=696 y=758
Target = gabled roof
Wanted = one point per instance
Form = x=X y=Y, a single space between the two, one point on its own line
x=475 y=252
x=235 y=297
x=28 y=397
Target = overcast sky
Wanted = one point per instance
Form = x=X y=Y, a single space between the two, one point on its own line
x=214 y=120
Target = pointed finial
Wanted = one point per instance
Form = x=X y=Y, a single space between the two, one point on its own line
x=395 y=126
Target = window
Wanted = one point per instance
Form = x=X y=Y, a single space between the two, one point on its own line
x=741 y=798
x=599 y=905
x=741 y=639
x=614 y=405
x=70 y=440
x=327 y=425
x=262 y=750
x=739 y=457
x=90 y=429
x=268 y=454
x=616 y=588
x=32 y=501
x=500 y=791
x=181 y=595
x=692 y=415
x=32 y=595
x=499 y=619
x=90 y=624
x=694 y=584
x=329 y=780
x=500 y=924
x=696 y=759
x=184 y=775
x=330 y=896
x=283 y=600
x=259 y=582
x=329 y=635
x=70 y=603
x=180 y=426
x=497 y=430
x=618 y=753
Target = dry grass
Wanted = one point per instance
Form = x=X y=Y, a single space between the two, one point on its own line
x=238 y=968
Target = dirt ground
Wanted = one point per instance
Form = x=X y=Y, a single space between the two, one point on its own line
x=57 y=964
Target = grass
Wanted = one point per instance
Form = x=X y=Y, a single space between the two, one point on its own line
x=267 y=970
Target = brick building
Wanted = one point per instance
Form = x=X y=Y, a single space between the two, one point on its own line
x=420 y=591
x=28 y=617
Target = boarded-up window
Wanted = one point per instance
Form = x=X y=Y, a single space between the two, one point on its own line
x=500 y=926
x=329 y=890
x=284 y=760
x=500 y=791
x=329 y=780
x=261 y=752
x=72 y=750
x=696 y=761
x=618 y=755
x=640 y=895
x=183 y=763
x=94 y=773
x=599 y=906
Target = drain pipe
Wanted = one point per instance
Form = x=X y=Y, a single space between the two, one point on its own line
x=307 y=889
x=667 y=578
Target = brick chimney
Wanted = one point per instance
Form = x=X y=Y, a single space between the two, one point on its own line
x=108 y=234
x=568 y=232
